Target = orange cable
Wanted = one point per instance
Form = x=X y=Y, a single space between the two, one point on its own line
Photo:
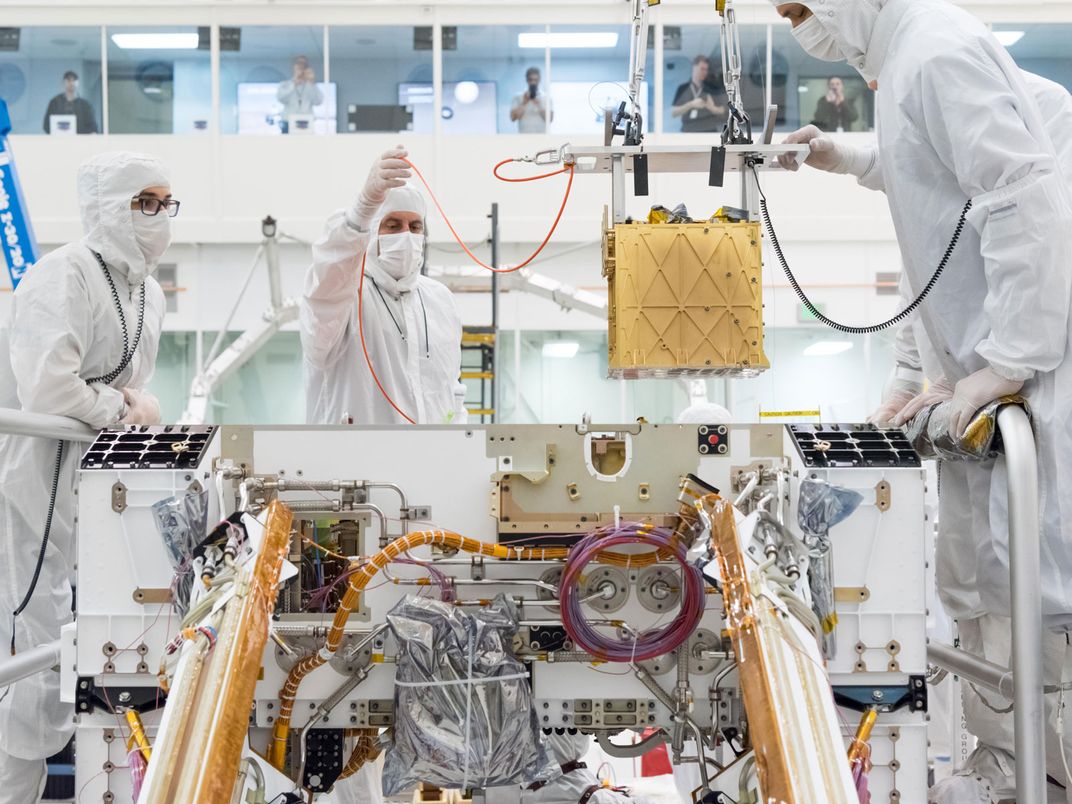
x=465 y=248
x=364 y=348
x=473 y=257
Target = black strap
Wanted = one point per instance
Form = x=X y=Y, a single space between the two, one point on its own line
x=568 y=767
x=390 y=312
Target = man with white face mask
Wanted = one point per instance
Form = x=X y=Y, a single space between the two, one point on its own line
x=81 y=341
x=959 y=122
x=412 y=331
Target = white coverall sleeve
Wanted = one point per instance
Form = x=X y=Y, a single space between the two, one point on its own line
x=284 y=91
x=975 y=123
x=331 y=287
x=872 y=178
x=51 y=331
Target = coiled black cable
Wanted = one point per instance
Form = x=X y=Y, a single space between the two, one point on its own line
x=111 y=376
x=44 y=544
x=897 y=319
x=128 y=351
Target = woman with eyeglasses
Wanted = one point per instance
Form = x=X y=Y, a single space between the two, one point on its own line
x=80 y=341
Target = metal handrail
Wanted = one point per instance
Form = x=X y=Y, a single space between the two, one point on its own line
x=1025 y=569
x=43 y=425
x=28 y=663
x=1023 y=682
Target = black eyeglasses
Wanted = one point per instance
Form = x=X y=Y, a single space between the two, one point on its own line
x=152 y=206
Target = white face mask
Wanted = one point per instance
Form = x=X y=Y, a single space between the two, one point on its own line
x=817 y=41
x=401 y=255
x=152 y=234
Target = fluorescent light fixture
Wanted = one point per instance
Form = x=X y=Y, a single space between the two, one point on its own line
x=828 y=348
x=1008 y=38
x=565 y=349
x=568 y=39
x=155 y=41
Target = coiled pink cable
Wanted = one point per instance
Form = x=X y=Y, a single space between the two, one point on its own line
x=642 y=646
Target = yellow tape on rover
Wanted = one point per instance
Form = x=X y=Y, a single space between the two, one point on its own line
x=789 y=414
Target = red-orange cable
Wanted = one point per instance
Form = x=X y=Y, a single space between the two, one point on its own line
x=364 y=348
x=473 y=257
x=465 y=248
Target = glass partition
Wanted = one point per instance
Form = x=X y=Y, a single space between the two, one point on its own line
x=495 y=81
x=272 y=81
x=384 y=78
x=832 y=95
x=159 y=80
x=590 y=73
x=51 y=79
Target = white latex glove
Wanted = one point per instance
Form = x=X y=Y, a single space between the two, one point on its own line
x=941 y=391
x=976 y=392
x=387 y=172
x=904 y=384
x=827 y=154
x=142 y=407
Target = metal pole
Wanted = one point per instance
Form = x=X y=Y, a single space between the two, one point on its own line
x=43 y=425
x=977 y=671
x=29 y=663
x=494 y=310
x=271 y=257
x=1025 y=572
x=617 y=188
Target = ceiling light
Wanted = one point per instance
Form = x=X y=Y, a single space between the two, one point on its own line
x=155 y=41
x=1008 y=38
x=827 y=348
x=565 y=349
x=565 y=39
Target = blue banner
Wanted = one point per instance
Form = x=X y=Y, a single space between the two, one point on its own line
x=16 y=235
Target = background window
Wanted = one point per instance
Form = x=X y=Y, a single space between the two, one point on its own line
x=384 y=76
x=1041 y=49
x=693 y=86
x=810 y=93
x=589 y=72
x=159 y=80
x=51 y=75
x=272 y=81
x=485 y=75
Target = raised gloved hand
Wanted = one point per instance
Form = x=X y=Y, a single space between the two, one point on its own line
x=941 y=391
x=827 y=154
x=387 y=172
x=142 y=407
x=976 y=392
x=904 y=384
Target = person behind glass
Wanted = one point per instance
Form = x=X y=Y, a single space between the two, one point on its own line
x=68 y=102
x=531 y=109
x=694 y=101
x=299 y=94
x=835 y=112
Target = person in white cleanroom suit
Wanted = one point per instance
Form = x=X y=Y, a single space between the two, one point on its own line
x=65 y=332
x=412 y=329
x=958 y=121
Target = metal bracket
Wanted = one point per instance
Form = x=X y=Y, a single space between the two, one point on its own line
x=851 y=594
x=119 y=497
x=416 y=513
x=89 y=697
x=883 y=496
x=149 y=596
x=912 y=695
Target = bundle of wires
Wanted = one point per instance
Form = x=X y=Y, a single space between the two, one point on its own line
x=642 y=646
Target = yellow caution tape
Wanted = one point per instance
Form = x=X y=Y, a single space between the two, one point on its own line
x=787 y=414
